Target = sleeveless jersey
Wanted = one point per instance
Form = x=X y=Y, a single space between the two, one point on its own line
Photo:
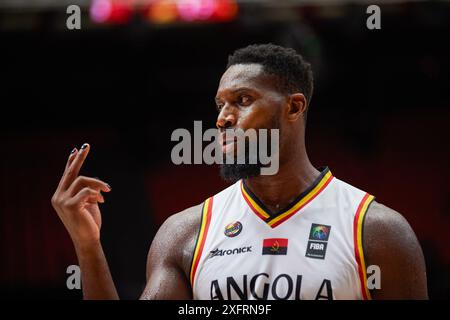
x=310 y=250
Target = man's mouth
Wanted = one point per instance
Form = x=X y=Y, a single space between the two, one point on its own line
x=227 y=143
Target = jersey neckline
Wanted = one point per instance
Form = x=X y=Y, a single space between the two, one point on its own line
x=275 y=219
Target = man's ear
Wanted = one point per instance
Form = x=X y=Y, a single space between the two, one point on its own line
x=296 y=106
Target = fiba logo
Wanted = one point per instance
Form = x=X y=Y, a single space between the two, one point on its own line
x=318 y=241
x=320 y=232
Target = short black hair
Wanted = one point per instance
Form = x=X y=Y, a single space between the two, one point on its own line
x=293 y=72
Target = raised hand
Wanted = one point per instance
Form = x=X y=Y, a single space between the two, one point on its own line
x=76 y=200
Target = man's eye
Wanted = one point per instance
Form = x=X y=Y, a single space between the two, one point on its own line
x=245 y=100
x=219 y=107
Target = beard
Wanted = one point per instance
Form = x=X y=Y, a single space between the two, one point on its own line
x=235 y=171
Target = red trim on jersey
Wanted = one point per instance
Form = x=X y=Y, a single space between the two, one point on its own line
x=204 y=227
x=356 y=246
x=303 y=205
x=256 y=211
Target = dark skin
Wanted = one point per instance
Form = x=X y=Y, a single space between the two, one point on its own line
x=246 y=98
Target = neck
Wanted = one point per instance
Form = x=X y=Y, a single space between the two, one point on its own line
x=294 y=176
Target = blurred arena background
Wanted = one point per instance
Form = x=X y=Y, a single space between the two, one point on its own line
x=137 y=70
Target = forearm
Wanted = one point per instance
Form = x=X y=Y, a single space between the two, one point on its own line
x=96 y=279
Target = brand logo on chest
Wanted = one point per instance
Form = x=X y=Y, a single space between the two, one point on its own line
x=228 y=252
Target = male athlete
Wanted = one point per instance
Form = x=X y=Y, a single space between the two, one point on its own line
x=299 y=234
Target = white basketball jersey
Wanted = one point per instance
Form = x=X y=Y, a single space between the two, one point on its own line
x=310 y=250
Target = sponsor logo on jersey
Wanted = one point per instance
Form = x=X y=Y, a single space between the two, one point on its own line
x=275 y=246
x=228 y=252
x=318 y=240
x=233 y=229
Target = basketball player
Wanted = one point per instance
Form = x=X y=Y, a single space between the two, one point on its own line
x=299 y=234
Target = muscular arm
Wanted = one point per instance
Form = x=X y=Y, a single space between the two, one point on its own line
x=170 y=256
x=390 y=243
x=95 y=275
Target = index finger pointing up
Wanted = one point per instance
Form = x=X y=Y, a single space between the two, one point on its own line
x=74 y=169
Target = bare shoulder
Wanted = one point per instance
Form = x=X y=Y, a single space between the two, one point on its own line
x=383 y=221
x=183 y=223
x=390 y=243
x=175 y=239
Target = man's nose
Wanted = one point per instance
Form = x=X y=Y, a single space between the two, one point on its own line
x=227 y=118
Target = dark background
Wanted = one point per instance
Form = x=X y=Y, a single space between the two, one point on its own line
x=379 y=119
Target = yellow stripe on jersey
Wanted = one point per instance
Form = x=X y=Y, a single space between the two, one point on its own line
x=359 y=252
x=260 y=211
x=307 y=198
x=206 y=219
x=274 y=221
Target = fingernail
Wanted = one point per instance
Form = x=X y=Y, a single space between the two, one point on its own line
x=109 y=187
x=84 y=146
x=73 y=151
